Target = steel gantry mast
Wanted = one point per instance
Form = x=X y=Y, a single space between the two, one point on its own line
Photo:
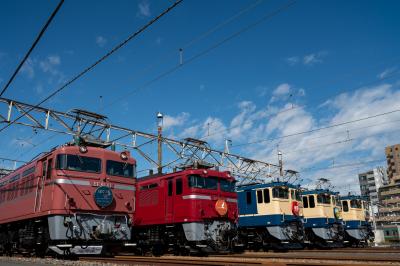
x=95 y=129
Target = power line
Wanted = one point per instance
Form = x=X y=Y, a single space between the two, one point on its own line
x=346 y=131
x=204 y=52
x=191 y=43
x=317 y=129
x=343 y=165
x=11 y=160
x=89 y=68
x=303 y=106
x=347 y=140
x=32 y=46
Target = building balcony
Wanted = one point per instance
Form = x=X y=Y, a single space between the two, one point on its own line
x=388 y=219
x=390 y=192
x=389 y=209
x=390 y=201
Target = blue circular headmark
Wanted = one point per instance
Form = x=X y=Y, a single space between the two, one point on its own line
x=103 y=196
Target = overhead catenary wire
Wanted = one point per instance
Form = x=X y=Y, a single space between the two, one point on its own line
x=92 y=66
x=347 y=140
x=268 y=16
x=185 y=46
x=295 y=107
x=42 y=31
x=348 y=131
x=12 y=160
x=318 y=129
x=343 y=165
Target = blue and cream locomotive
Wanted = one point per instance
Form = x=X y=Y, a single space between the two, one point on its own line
x=358 y=230
x=322 y=218
x=269 y=216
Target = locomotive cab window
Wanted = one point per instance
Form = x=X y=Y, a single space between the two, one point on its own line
x=248 y=197
x=297 y=195
x=305 y=202
x=311 y=201
x=345 y=204
x=48 y=171
x=324 y=198
x=227 y=186
x=280 y=192
x=122 y=169
x=196 y=181
x=354 y=203
x=78 y=163
x=266 y=196
x=179 y=186
x=170 y=187
x=259 y=196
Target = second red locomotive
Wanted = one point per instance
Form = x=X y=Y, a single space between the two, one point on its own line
x=189 y=211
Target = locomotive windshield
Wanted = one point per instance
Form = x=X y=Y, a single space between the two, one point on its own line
x=324 y=198
x=123 y=169
x=196 y=181
x=227 y=186
x=280 y=192
x=295 y=195
x=78 y=163
x=355 y=204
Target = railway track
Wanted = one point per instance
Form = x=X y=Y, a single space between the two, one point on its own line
x=265 y=258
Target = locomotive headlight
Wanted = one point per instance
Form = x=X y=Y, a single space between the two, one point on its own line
x=124 y=156
x=205 y=172
x=83 y=149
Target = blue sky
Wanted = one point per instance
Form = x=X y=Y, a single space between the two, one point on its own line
x=332 y=61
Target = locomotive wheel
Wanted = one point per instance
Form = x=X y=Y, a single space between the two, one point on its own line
x=158 y=249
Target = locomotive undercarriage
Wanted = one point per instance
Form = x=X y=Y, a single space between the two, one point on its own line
x=358 y=237
x=187 y=238
x=330 y=236
x=65 y=236
x=289 y=235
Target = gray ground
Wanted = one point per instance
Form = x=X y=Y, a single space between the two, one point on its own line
x=19 y=261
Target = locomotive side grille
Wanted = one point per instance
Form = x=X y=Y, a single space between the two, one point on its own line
x=148 y=198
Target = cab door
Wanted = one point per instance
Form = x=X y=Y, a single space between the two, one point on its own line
x=169 y=200
x=44 y=170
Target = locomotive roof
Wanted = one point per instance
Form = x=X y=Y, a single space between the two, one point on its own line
x=267 y=185
x=209 y=172
x=351 y=197
x=318 y=191
x=44 y=154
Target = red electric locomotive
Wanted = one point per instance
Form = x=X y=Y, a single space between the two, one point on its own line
x=71 y=200
x=189 y=211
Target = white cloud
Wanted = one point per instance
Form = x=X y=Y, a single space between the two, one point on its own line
x=171 y=121
x=301 y=92
x=49 y=64
x=292 y=60
x=308 y=59
x=101 y=41
x=361 y=141
x=387 y=72
x=282 y=89
x=311 y=59
x=28 y=68
x=144 y=9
